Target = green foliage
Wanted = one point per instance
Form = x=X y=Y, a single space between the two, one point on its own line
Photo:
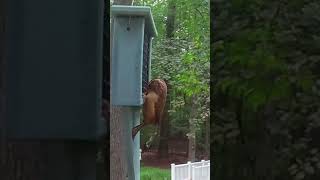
x=265 y=88
x=183 y=60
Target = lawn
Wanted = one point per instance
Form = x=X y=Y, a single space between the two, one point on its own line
x=150 y=173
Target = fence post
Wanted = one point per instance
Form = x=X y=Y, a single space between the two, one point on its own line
x=189 y=169
x=208 y=172
x=193 y=173
x=172 y=172
x=202 y=164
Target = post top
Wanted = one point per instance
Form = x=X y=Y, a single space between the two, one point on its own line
x=143 y=11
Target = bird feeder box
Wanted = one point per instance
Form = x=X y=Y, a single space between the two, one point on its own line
x=54 y=69
x=132 y=33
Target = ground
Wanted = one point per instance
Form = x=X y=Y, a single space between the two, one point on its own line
x=177 y=154
x=151 y=159
x=178 y=148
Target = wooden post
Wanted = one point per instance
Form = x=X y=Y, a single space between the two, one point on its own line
x=118 y=168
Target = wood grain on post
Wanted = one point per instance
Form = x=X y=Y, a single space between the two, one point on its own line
x=118 y=167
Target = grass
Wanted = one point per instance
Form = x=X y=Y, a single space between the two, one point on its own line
x=150 y=173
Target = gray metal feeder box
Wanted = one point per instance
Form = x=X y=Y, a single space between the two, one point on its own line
x=54 y=69
x=132 y=32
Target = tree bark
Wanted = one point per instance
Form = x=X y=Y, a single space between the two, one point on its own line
x=207 y=139
x=171 y=19
x=164 y=128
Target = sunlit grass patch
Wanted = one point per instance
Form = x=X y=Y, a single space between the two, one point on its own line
x=150 y=173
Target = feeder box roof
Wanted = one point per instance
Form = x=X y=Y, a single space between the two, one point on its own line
x=136 y=11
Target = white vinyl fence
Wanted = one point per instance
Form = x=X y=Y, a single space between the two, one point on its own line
x=191 y=171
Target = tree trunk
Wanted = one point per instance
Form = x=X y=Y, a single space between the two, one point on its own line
x=164 y=128
x=171 y=19
x=192 y=132
x=207 y=139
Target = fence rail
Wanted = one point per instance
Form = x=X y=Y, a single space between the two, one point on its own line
x=191 y=171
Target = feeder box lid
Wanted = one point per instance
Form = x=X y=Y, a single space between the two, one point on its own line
x=134 y=11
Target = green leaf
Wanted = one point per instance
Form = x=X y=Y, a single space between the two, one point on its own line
x=280 y=89
x=305 y=82
x=256 y=99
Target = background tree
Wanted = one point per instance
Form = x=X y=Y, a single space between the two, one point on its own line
x=181 y=56
x=265 y=89
x=164 y=129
